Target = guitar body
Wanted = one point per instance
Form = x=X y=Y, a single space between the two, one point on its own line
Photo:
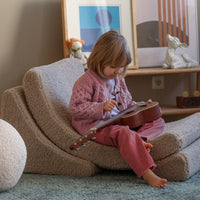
x=142 y=115
x=138 y=116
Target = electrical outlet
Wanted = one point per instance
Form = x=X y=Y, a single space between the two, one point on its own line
x=157 y=82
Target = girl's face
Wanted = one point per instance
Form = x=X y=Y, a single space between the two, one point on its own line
x=111 y=71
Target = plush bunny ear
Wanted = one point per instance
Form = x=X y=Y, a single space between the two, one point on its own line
x=82 y=42
x=69 y=43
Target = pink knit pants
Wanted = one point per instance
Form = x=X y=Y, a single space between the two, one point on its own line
x=130 y=143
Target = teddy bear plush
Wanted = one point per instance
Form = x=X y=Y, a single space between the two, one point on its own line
x=75 y=47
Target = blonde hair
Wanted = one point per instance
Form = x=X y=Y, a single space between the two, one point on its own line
x=110 y=49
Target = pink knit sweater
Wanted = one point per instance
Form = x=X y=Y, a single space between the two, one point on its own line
x=89 y=94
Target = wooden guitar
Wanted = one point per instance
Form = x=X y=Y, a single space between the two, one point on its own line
x=134 y=117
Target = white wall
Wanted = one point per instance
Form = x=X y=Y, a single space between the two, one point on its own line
x=31 y=35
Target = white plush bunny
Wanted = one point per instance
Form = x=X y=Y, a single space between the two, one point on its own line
x=172 y=60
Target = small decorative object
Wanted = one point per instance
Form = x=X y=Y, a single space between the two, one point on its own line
x=185 y=94
x=13 y=156
x=75 y=46
x=186 y=101
x=173 y=60
x=196 y=93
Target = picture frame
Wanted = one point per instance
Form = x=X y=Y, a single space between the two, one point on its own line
x=156 y=20
x=88 y=19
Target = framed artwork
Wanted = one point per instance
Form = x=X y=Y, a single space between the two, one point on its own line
x=161 y=17
x=89 y=19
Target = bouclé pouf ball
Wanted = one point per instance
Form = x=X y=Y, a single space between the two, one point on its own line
x=12 y=156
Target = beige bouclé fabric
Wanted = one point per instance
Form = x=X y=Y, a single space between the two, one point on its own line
x=177 y=135
x=39 y=111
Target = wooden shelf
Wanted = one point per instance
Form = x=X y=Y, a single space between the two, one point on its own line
x=160 y=70
x=173 y=110
x=169 y=110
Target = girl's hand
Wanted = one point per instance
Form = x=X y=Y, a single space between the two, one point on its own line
x=109 y=105
x=149 y=101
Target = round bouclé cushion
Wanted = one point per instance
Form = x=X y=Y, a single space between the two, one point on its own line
x=12 y=156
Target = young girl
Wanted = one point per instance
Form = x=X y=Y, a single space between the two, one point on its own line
x=102 y=93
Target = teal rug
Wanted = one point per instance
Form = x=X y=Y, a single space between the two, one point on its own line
x=108 y=185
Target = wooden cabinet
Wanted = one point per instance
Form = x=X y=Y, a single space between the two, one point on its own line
x=169 y=110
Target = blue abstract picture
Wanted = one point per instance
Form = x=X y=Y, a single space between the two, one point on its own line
x=96 y=20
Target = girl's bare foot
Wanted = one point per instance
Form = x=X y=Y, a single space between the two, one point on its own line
x=153 y=179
